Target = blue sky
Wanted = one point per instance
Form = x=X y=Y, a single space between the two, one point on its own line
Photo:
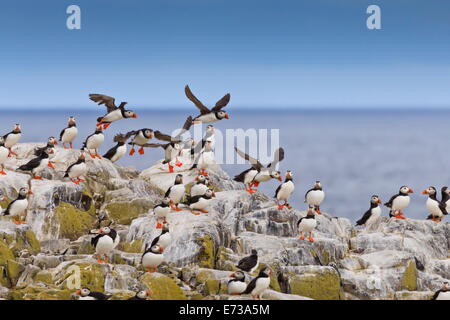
x=274 y=54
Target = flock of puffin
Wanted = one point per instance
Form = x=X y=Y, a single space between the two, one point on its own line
x=200 y=156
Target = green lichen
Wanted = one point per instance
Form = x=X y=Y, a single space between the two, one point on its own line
x=409 y=279
x=206 y=255
x=134 y=246
x=92 y=276
x=125 y=212
x=212 y=286
x=33 y=242
x=324 y=285
x=5 y=253
x=39 y=293
x=73 y=221
x=13 y=269
x=44 y=276
x=163 y=287
x=322 y=254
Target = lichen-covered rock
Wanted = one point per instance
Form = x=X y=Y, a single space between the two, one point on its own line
x=163 y=287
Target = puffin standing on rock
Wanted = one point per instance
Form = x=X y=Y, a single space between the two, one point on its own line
x=51 y=143
x=69 y=134
x=76 y=170
x=4 y=154
x=315 y=196
x=161 y=211
x=152 y=258
x=93 y=142
x=142 y=295
x=12 y=138
x=114 y=113
x=204 y=159
x=141 y=137
x=445 y=193
x=86 y=294
x=436 y=208
x=206 y=115
x=200 y=187
x=443 y=293
x=399 y=202
x=39 y=163
x=163 y=240
x=307 y=224
x=250 y=263
x=236 y=285
x=119 y=150
x=19 y=206
x=200 y=203
x=105 y=241
x=284 y=191
x=258 y=285
x=373 y=213
x=176 y=192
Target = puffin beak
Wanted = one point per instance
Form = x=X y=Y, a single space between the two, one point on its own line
x=226 y=116
x=410 y=190
x=281 y=179
x=78 y=292
x=379 y=201
x=135 y=115
x=232 y=275
x=51 y=165
x=214 y=194
x=423 y=192
x=30 y=192
x=149 y=293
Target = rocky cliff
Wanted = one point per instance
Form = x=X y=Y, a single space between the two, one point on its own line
x=50 y=256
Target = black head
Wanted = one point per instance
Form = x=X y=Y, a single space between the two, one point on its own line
x=429 y=191
x=72 y=121
x=84 y=292
x=238 y=275
x=179 y=179
x=129 y=114
x=375 y=200
x=17 y=128
x=405 y=190
x=147 y=133
x=221 y=115
x=144 y=294
x=254 y=252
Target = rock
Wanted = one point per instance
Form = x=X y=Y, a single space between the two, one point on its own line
x=163 y=287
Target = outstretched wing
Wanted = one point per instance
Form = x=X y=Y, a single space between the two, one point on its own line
x=161 y=136
x=364 y=218
x=104 y=99
x=254 y=162
x=277 y=157
x=198 y=104
x=389 y=203
x=221 y=103
x=153 y=145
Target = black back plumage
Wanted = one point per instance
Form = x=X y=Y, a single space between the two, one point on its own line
x=248 y=263
x=252 y=284
x=33 y=163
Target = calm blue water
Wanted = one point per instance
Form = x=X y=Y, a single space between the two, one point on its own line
x=353 y=154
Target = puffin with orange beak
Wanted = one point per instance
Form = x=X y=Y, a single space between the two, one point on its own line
x=152 y=258
x=4 y=154
x=206 y=115
x=164 y=239
x=198 y=204
x=105 y=241
x=19 y=206
x=284 y=191
x=69 y=134
x=76 y=170
x=399 y=202
x=93 y=142
x=114 y=113
x=315 y=196
x=236 y=285
x=39 y=163
x=12 y=138
x=258 y=285
x=176 y=192
x=142 y=295
x=86 y=294
x=51 y=143
x=372 y=214
x=436 y=208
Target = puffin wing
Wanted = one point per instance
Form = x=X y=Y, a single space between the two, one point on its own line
x=155 y=241
x=306 y=194
x=30 y=165
x=104 y=99
x=161 y=136
x=300 y=221
x=443 y=208
x=364 y=218
x=389 y=203
x=62 y=133
x=203 y=109
x=167 y=192
x=276 y=191
x=241 y=176
x=277 y=157
x=154 y=145
x=246 y=263
x=70 y=167
x=251 y=285
x=221 y=103
x=254 y=162
x=100 y=296
x=95 y=240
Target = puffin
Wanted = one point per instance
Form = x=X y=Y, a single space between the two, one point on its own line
x=4 y=154
x=161 y=211
x=284 y=191
x=198 y=204
x=258 y=285
x=236 y=285
x=142 y=295
x=399 y=202
x=200 y=187
x=12 y=138
x=445 y=194
x=372 y=214
x=173 y=148
x=51 y=143
x=76 y=170
x=119 y=150
x=39 y=163
x=247 y=177
x=141 y=137
x=315 y=196
x=104 y=243
x=263 y=173
x=436 y=208
x=176 y=192
x=250 y=263
x=307 y=224
x=204 y=159
x=443 y=293
x=206 y=115
x=114 y=113
x=93 y=142
x=152 y=258
x=163 y=240
x=209 y=136
x=69 y=133
x=86 y=294
x=18 y=207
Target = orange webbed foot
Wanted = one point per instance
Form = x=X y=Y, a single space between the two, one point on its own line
x=132 y=151
x=310 y=239
x=302 y=238
x=280 y=207
x=204 y=211
x=3 y=172
x=141 y=150
x=37 y=177
x=75 y=181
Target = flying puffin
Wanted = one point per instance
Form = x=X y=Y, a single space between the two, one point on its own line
x=12 y=138
x=119 y=150
x=399 y=202
x=263 y=173
x=142 y=295
x=315 y=196
x=237 y=284
x=104 y=243
x=200 y=203
x=19 y=206
x=152 y=258
x=443 y=293
x=172 y=149
x=51 y=143
x=93 y=142
x=445 y=193
x=307 y=224
x=176 y=192
x=114 y=113
x=284 y=191
x=86 y=294
x=204 y=159
x=163 y=240
x=69 y=134
x=250 y=263
x=206 y=115
x=39 y=163
x=258 y=285
x=200 y=187
x=161 y=211
x=436 y=208
x=76 y=170
x=373 y=213
x=4 y=154
x=141 y=137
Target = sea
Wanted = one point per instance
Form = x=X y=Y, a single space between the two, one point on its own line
x=355 y=154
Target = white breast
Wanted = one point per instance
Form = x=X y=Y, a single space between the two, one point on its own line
x=18 y=207
x=69 y=134
x=263 y=176
x=139 y=139
x=285 y=191
x=375 y=214
x=261 y=285
x=206 y=159
x=151 y=260
x=78 y=170
x=307 y=225
x=236 y=287
x=86 y=298
x=165 y=240
x=104 y=245
x=113 y=116
x=201 y=204
x=249 y=176
x=198 y=189
x=12 y=139
x=207 y=118
x=443 y=296
x=400 y=203
x=95 y=141
x=177 y=193
x=433 y=207
x=3 y=155
x=42 y=165
x=120 y=152
x=315 y=197
x=161 y=212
